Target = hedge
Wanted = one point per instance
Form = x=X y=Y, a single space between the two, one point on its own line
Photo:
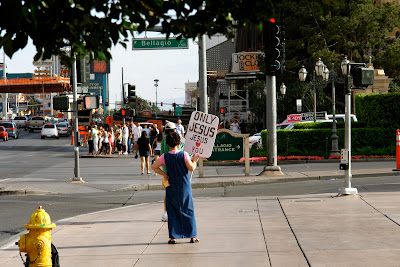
x=318 y=142
x=379 y=110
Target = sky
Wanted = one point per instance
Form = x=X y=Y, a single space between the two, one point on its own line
x=173 y=68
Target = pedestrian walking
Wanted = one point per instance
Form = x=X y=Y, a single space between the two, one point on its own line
x=90 y=140
x=95 y=134
x=235 y=126
x=106 y=141
x=179 y=200
x=144 y=152
x=118 y=139
x=153 y=136
x=125 y=137
x=180 y=129
x=157 y=147
x=137 y=131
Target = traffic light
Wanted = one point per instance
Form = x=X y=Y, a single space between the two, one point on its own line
x=222 y=110
x=123 y=113
x=131 y=93
x=60 y=103
x=150 y=103
x=161 y=103
x=106 y=104
x=174 y=105
x=91 y=101
x=138 y=103
x=273 y=46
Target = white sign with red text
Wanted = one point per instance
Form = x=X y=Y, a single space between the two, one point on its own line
x=201 y=134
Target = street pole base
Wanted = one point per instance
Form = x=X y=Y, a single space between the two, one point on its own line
x=77 y=180
x=334 y=154
x=347 y=191
x=271 y=171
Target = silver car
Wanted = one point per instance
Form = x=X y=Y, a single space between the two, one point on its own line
x=21 y=121
x=63 y=129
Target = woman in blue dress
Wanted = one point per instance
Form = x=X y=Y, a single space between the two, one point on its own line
x=179 y=201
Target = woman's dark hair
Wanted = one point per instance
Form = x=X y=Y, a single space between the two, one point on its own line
x=160 y=136
x=144 y=134
x=173 y=139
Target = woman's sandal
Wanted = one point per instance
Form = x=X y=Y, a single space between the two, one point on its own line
x=172 y=241
x=194 y=240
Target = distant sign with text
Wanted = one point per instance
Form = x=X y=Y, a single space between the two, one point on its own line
x=246 y=61
x=159 y=43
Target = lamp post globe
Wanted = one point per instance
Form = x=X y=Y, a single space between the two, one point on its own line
x=319 y=67
x=302 y=74
x=325 y=74
x=345 y=66
x=282 y=88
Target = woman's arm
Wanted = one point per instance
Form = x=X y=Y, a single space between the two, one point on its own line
x=191 y=164
x=156 y=168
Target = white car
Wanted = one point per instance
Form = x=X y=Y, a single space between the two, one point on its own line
x=255 y=141
x=49 y=130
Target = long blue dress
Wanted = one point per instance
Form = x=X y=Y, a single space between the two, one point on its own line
x=179 y=201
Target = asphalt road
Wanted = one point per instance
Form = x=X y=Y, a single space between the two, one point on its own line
x=31 y=158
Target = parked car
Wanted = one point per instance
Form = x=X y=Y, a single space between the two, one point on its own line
x=11 y=128
x=3 y=133
x=255 y=141
x=63 y=128
x=49 y=130
x=21 y=122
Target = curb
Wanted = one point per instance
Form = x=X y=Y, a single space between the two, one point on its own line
x=249 y=180
x=255 y=181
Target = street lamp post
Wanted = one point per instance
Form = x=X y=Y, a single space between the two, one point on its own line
x=318 y=71
x=156 y=85
x=333 y=78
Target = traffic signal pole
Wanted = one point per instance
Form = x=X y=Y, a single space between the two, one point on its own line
x=272 y=167
x=77 y=178
x=272 y=55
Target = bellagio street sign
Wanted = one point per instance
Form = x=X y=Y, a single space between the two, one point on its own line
x=159 y=43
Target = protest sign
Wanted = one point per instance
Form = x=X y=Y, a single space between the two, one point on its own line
x=201 y=134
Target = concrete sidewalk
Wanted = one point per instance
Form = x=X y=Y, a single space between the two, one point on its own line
x=306 y=230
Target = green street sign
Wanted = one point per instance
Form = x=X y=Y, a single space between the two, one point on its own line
x=159 y=43
x=227 y=147
x=178 y=111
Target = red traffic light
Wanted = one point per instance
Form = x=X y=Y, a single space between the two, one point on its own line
x=221 y=110
x=272 y=20
x=123 y=112
x=161 y=103
x=150 y=103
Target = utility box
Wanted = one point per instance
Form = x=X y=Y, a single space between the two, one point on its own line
x=363 y=77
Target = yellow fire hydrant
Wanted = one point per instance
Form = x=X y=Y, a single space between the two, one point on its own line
x=37 y=243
